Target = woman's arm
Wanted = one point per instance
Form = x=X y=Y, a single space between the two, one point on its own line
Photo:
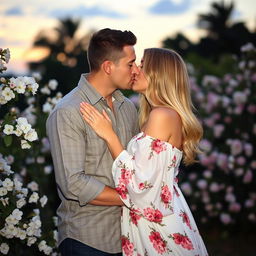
x=102 y=125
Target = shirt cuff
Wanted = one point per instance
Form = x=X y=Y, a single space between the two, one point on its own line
x=92 y=189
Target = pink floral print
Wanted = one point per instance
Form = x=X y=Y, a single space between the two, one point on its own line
x=166 y=196
x=158 y=243
x=126 y=175
x=157 y=146
x=153 y=215
x=135 y=216
x=145 y=185
x=182 y=240
x=185 y=219
x=122 y=189
x=127 y=246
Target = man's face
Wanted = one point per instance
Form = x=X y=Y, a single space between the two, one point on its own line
x=124 y=71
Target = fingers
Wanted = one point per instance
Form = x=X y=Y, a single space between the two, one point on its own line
x=106 y=115
x=90 y=110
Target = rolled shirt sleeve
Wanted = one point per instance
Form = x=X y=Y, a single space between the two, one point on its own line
x=68 y=149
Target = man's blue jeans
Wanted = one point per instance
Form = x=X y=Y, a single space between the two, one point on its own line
x=71 y=247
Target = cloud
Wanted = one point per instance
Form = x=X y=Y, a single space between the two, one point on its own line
x=165 y=7
x=14 y=11
x=82 y=11
x=6 y=42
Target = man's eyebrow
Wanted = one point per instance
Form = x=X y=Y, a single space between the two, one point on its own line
x=132 y=60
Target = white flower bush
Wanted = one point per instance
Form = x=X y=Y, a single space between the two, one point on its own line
x=27 y=226
x=222 y=187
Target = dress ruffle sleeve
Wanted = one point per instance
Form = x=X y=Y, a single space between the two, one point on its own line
x=144 y=175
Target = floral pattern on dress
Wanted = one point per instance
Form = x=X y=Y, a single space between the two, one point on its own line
x=185 y=219
x=135 y=216
x=157 y=146
x=166 y=196
x=158 y=242
x=127 y=246
x=155 y=214
x=145 y=185
x=182 y=240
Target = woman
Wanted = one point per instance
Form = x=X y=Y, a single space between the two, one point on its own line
x=156 y=219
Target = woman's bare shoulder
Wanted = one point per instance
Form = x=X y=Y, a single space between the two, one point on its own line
x=161 y=123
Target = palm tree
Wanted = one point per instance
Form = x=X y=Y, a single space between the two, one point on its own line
x=223 y=35
x=218 y=20
x=66 y=54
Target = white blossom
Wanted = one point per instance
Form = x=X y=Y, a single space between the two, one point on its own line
x=3 y=191
x=11 y=220
x=8 y=129
x=31 y=240
x=33 y=186
x=8 y=184
x=31 y=135
x=45 y=90
x=8 y=94
x=4 y=201
x=43 y=201
x=48 y=169
x=21 y=234
x=37 y=76
x=20 y=203
x=25 y=144
x=47 y=107
x=17 y=214
x=247 y=47
x=33 y=198
x=4 y=248
x=20 y=86
x=53 y=84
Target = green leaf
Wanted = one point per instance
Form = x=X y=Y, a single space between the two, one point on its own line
x=8 y=140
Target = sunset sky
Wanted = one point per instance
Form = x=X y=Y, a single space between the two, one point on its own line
x=150 y=20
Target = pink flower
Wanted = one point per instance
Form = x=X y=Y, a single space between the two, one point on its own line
x=248 y=177
x=122 y=189
x=134 y=216
x=166 y=195
x=127 y=246
x=153 y=215
x=183 y=240
x=185 y=219
x=158 y=146
x=141 y=186
x=158 y=243
x=126 y=176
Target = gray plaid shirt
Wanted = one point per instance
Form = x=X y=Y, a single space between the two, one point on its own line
x=82 y=165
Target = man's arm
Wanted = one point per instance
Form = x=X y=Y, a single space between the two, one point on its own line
x=68 y=146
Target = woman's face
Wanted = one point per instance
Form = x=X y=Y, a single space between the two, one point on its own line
x=140 y=84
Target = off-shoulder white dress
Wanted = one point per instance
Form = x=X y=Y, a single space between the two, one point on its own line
x=156 y=219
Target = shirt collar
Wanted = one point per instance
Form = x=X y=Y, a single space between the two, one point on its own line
x=92 y=94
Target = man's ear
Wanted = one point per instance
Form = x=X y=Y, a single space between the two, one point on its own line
x=107 y=66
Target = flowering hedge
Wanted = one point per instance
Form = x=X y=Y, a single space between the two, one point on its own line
x=27 y=188
x=223 y=188
x=220 y=189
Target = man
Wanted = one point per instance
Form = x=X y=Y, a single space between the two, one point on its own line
x=89 y=213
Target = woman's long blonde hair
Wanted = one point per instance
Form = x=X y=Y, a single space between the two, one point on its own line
x=169 y=85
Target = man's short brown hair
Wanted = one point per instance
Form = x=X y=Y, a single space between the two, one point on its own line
x=107 y=44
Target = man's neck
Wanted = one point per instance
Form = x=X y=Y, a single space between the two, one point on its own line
x=102 y=85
